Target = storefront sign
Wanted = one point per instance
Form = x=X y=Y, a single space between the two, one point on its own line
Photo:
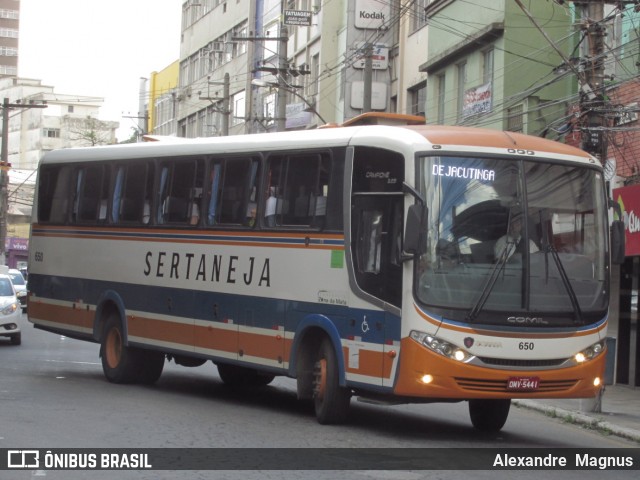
x=629 y=200
x=372 y=14
x=298 y=18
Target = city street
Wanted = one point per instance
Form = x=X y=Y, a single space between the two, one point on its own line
x=54 y=395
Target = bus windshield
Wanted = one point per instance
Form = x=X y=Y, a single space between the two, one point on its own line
x=513 y=239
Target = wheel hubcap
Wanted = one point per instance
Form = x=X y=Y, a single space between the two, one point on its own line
x=113 y=349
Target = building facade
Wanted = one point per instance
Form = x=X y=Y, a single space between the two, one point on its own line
x=162 y=107
x=9 y=29
x=498 y=70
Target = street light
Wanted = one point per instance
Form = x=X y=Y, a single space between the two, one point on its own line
x=310 y=108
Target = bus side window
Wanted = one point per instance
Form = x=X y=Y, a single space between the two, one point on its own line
x=90 y=184
x=132 y=192
x=297 y=190
x=180 y=179
x=231 y=192
x=54 y=185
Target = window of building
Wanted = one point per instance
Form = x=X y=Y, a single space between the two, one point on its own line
x=8 y=33
x=515 y=120
x=418 y=14
x=238 y=102
x=462 y=80
x=10 y=14
x=51 y=132
x=8 y=51
x=441 y=85
x=487 y=66
x=418 y=99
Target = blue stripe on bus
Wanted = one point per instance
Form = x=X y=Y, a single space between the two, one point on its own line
x=260 y=312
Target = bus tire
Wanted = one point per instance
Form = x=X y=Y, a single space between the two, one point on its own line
x=120 y=364
x=489 y=415
x=151 y=366
x=331 y=401
x=235 y=376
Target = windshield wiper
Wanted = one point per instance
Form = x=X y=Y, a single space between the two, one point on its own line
x=549 y=248
x=491 y=281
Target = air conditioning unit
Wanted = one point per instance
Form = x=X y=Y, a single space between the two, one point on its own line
x=217 y=47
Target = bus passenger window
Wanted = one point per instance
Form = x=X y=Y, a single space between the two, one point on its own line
x=54 y=184
x=180 y=180
x=90 y=185
x=297 y=190
x=230 y=187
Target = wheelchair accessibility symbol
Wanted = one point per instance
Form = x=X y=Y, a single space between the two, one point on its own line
x=365 y=326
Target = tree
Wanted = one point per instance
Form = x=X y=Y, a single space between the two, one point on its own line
x=91 y=131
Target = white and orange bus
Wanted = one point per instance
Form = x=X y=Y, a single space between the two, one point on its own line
x=377 y=261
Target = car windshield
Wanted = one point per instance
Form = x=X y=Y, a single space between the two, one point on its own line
x=6 y=289
x=513 y=239
x=17 y=278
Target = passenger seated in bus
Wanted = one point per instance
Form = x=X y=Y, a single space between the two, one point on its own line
x=511 y=243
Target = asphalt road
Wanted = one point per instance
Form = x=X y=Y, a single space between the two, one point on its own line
x=53 y=395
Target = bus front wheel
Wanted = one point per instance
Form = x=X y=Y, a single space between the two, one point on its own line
x=123 y=364
x=489 y=415
x=331 y=401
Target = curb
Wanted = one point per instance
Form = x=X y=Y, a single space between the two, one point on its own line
x=581 y=418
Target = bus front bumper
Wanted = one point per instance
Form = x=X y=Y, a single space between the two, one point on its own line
x=426 y=374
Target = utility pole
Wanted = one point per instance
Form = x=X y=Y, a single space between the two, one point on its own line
x=283 y=64
x=4 y=169
x=594 y=139
x=368 y=77
x=225 y=111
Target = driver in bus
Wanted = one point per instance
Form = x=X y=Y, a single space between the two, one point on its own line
x=511 y=242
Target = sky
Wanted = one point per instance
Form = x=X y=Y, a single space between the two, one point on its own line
x=99 y=49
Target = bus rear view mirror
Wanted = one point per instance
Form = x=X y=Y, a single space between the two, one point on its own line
x=617 y=242
x=414 y=226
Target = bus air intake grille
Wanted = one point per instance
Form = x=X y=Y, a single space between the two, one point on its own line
x=484 y=385
x=509 y=362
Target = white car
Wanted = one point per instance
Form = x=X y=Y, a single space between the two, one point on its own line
x=10 y=311
x=20 y=286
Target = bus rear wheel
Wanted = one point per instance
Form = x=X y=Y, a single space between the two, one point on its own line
x=331 y=401
x=489 y=415
x=123 y=364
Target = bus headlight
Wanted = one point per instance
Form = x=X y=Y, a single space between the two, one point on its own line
x=589 y=353
x=440 y=346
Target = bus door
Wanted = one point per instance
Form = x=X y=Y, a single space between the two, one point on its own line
x=377 y=205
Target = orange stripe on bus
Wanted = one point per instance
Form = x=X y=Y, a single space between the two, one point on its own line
x=370 y=363
x=64 y=315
